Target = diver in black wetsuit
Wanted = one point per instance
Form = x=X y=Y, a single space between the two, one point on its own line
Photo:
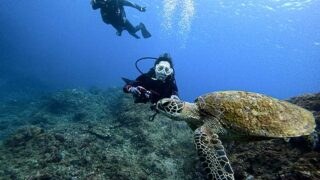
x=112 y=12
x=158 y=83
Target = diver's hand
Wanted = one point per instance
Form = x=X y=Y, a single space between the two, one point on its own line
x=137 y=91
x=174 y=97
x=142 y=9
x=134 y=91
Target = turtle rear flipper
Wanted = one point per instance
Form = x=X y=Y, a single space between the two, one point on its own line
x=212 y=155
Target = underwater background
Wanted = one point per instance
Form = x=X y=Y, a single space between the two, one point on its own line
x=270 y=47
x=63 y=114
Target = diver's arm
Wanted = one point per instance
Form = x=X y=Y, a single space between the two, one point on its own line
x=174 y=89
x=138 y=82
x=130 y=4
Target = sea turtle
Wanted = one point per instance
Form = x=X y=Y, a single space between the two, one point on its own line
x=235 y=115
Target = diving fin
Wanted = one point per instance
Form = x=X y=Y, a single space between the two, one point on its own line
x=145 y=33
x=127 y=81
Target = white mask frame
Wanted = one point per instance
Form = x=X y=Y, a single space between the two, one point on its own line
x=163 y=70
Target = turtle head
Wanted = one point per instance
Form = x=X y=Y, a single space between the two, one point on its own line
x=177 y=109
x=170 y=107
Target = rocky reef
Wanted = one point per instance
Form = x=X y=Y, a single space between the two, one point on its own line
x=102 y=134
x=95 y=134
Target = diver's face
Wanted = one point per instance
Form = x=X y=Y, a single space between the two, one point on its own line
x=163 y=70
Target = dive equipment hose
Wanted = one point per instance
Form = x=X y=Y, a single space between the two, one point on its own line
x=136 y=63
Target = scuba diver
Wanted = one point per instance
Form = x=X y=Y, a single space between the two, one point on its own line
x=156 y=84
x=112 y=12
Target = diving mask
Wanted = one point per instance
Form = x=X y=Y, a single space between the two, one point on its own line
x=163 y=70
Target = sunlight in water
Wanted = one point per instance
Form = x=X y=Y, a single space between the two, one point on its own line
x=271 y=5
x=178 y=15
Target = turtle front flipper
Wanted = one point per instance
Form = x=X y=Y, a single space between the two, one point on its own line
x=212 y=155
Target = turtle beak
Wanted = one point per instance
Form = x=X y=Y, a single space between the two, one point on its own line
x=159 y=107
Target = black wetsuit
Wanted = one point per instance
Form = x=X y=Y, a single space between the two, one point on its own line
x=159 y=89
x=112 y=12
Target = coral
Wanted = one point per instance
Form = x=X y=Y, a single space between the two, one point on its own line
x=23 y=135
x=102 y=134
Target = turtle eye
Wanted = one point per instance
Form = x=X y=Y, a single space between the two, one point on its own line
x=166 y=104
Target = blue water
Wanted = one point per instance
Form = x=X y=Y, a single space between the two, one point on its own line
x=270 y=47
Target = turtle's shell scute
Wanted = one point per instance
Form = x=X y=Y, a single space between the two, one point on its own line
x=256 y=114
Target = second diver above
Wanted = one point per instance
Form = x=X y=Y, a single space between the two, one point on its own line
x=156 y=84
x=112 y=12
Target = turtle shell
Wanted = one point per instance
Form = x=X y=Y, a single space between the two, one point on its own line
x=256 y=114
